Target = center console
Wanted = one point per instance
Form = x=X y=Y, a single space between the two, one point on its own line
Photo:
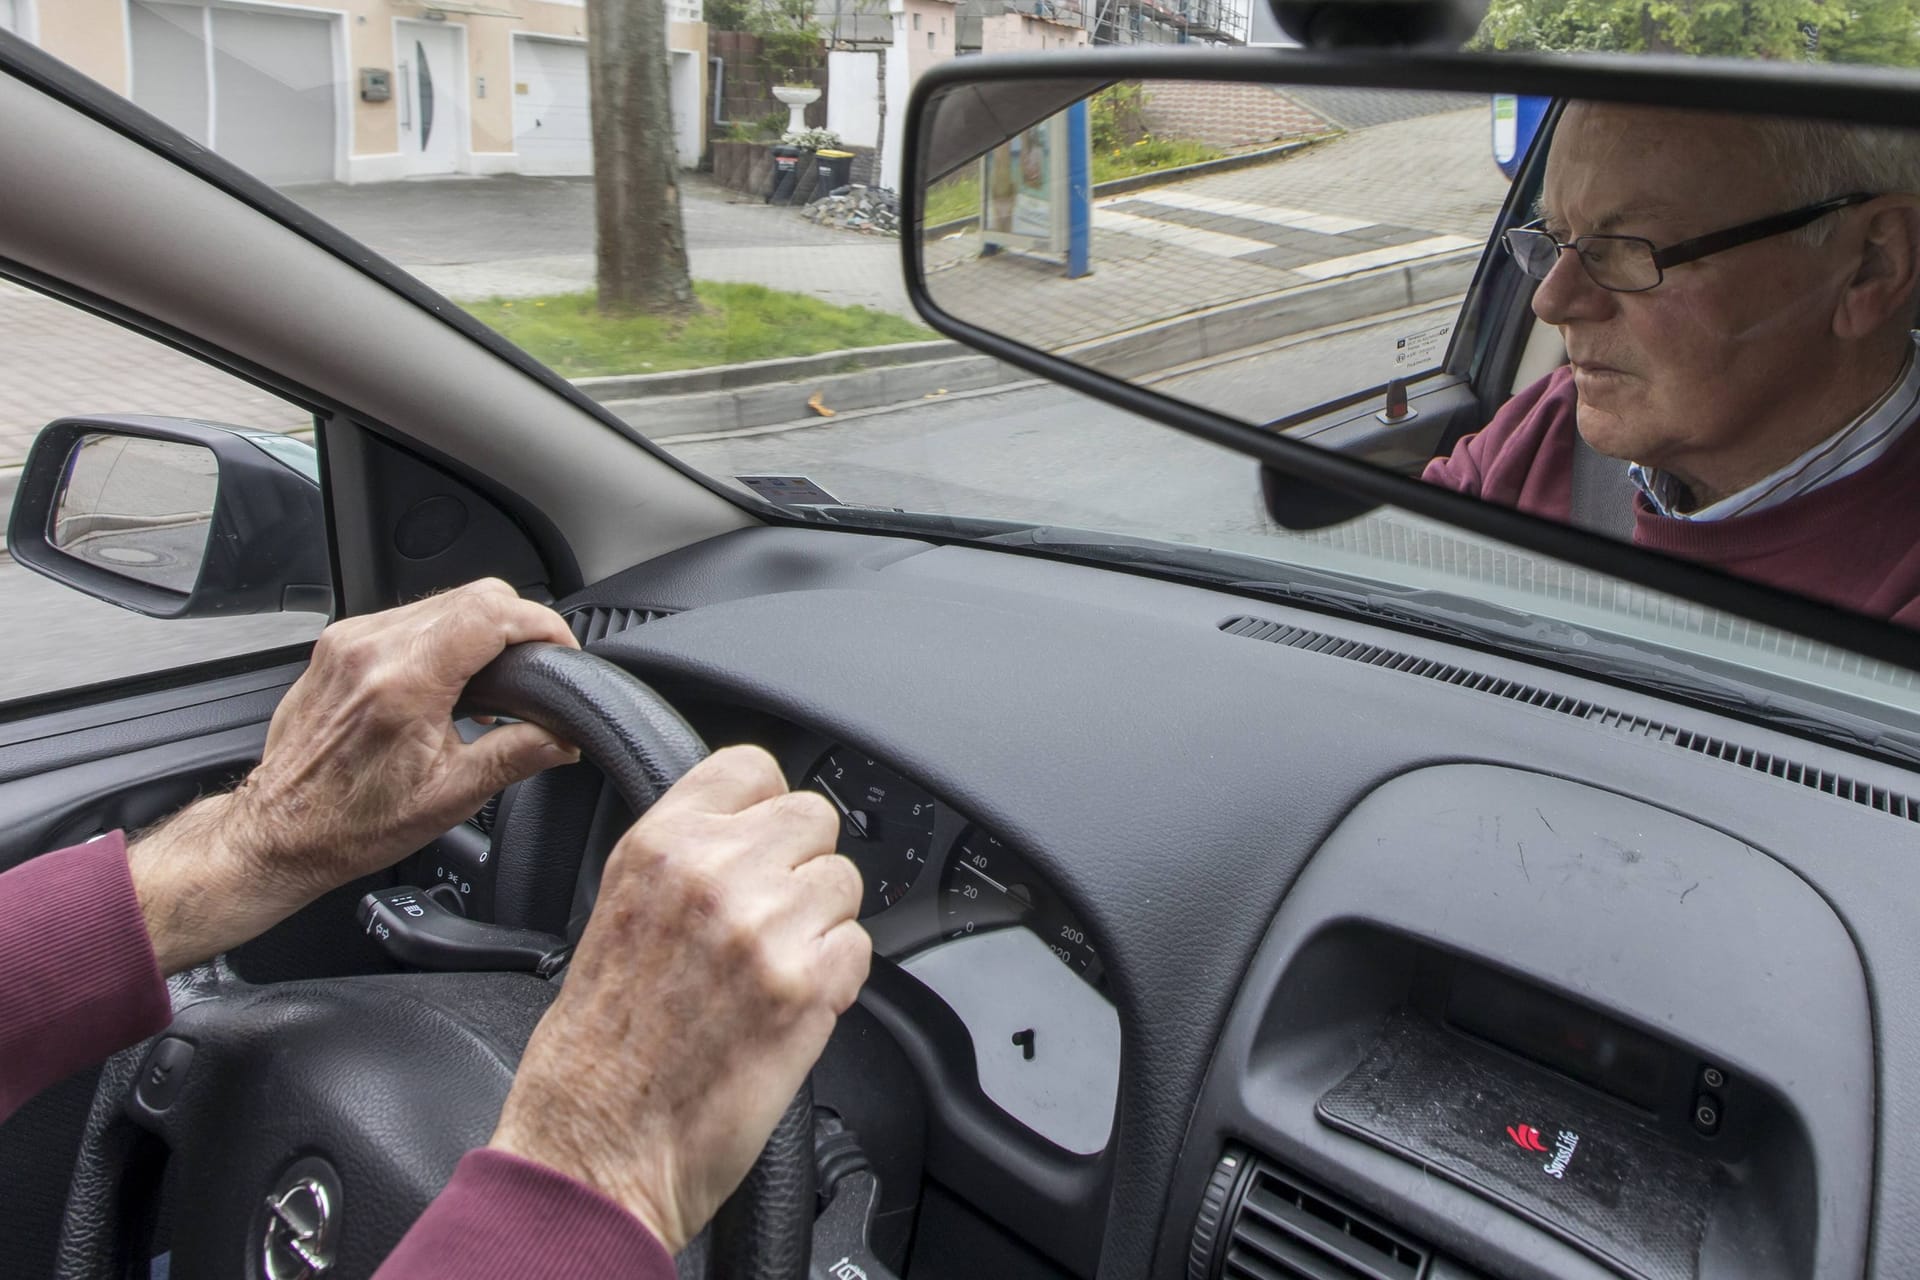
x=1508 y=1025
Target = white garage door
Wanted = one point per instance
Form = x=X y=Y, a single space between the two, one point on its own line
x=267 y=99
x=552 y=128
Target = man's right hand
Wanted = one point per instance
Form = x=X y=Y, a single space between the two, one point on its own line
x=722 y=948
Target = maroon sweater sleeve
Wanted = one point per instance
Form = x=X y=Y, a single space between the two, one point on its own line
x=504 y=1218
x=78 y=978
x=1524 y=457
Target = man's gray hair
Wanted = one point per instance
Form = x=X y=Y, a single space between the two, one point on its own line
x=1818 y=160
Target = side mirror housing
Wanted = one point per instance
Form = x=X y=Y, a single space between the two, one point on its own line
x=174 y=518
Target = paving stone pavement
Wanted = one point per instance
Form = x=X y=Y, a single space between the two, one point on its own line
x=1392 y=193
x=60 y=361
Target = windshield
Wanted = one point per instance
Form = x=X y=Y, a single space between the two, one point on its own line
x=735 y=292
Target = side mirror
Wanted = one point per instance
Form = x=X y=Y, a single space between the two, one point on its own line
x=174 y=518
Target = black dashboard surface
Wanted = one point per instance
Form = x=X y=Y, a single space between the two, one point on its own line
x=1173 y=781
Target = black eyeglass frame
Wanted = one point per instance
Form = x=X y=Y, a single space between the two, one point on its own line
x=1691 y=250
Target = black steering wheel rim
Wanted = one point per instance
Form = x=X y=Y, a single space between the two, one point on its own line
x=479 y=1022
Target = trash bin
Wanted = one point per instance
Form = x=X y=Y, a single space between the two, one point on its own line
x=786 y=172
x=836 y=171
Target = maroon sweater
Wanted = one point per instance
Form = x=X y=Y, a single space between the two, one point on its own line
x=78 y=980
x=1854 y=542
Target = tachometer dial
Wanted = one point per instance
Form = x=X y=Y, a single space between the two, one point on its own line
x=886 y=823
x=988 y=886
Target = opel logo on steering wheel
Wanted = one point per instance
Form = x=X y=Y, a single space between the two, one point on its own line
x=300 y=1221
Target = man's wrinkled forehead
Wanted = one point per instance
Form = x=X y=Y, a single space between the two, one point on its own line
x=1615 y=166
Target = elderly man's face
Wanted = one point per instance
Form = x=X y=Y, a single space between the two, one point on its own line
x=1689 y=369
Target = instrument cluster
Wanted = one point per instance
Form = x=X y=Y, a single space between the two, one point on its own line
x=894 y=831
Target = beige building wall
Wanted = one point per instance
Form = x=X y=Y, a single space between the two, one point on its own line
x=1019 y=33
x=91 y=35
x=929 y=32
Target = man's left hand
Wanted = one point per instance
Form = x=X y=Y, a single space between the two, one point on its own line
x=362 y=766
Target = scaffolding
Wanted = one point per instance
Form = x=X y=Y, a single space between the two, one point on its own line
x=1170 y=22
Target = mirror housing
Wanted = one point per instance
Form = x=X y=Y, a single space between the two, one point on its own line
x=265 y=549
x=1379 y=24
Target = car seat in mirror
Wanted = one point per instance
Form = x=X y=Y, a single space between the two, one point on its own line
x=1685 y=328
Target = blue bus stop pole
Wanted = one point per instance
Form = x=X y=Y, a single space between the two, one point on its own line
x=1079 y=192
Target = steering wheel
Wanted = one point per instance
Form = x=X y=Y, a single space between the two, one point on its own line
x=306 y=1124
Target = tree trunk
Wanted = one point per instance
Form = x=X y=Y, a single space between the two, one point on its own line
x=640 y=247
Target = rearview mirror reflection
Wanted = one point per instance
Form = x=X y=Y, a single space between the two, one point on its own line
x=1685 y=329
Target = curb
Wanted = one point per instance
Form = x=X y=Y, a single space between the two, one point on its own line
x=753 y=373
x=1160 y=177
x=1225 y=164
x=1236 y=326
x=1135 y=354
x=759 y=406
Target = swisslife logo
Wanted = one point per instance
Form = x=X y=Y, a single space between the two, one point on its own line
x=1565 y=1142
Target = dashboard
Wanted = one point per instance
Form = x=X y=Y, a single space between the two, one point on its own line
x=1346 y=935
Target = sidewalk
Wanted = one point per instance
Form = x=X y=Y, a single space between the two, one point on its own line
x=1397 y=193
x=1403 y=192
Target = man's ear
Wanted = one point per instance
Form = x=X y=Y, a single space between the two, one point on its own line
x=1887 y=272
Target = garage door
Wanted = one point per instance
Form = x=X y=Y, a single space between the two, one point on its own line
x=552 y=129
x=267 y=99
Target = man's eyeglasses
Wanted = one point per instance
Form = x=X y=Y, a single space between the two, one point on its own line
x=1630 y=264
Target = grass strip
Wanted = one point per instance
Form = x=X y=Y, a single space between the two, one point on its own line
x=737 y=323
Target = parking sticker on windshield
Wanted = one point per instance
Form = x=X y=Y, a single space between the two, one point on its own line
x=789 y=491
x=1423 y=349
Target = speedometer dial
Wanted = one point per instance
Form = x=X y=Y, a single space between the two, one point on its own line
x=886 y=823
x=988 y=886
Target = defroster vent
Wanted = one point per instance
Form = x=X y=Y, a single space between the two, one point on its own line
x=1260 y=1222
x=591 y=623
x=1893 y=803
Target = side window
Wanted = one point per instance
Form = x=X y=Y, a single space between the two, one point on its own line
x=63 y=362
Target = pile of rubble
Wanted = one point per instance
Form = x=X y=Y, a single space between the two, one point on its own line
x=874 y=210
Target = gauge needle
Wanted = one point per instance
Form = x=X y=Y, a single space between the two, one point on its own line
x=989 y=879
x=855 y=818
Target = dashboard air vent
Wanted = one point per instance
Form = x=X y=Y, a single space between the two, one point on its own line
x=595 y=622
x=1273 y=1225
x=1879 y=799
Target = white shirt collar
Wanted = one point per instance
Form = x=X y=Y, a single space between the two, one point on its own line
x=1855 y=446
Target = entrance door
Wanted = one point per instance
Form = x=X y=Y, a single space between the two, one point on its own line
x=432 y=94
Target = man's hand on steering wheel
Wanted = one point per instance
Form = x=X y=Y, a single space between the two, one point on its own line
x=362 y=766
x=722 y=949
x=723 y=946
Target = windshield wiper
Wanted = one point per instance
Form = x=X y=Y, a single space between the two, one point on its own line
x=1441 y=614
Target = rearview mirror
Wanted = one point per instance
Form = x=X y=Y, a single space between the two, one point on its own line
x=1704 y=349
x=174 y=518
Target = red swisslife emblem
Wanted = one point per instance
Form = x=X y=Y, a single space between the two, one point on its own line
x=1527 y=1136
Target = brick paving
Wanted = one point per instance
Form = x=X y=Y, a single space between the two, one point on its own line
x=60 y=361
